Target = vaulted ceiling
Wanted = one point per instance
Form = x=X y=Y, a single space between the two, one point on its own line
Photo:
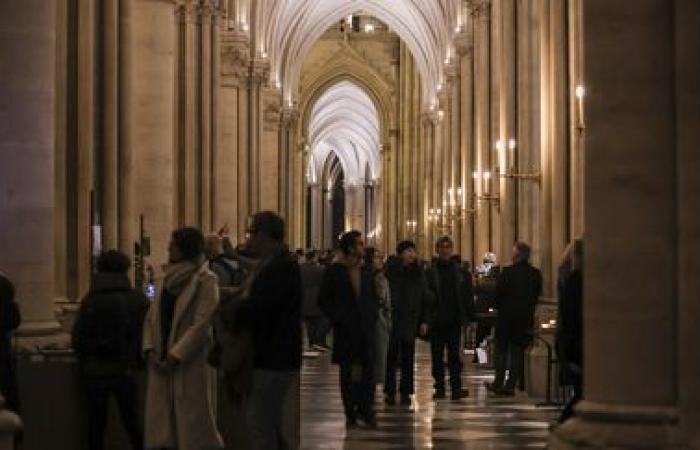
x=286 y=30
x=344 y=121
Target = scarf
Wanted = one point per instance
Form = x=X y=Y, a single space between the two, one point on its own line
x=179 y=274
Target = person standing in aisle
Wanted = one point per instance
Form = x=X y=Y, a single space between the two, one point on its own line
x=453 y=309
x=348 y=298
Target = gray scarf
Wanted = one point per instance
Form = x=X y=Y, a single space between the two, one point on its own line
x=179 y=274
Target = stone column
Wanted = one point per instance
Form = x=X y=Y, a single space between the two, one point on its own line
x=27 y=35
x=151 y=122
x=643 y=109
x=481 y=13
x=463 y=42
x=206 y=205
x=508 y=130
x=110 y=127
x=578 y=121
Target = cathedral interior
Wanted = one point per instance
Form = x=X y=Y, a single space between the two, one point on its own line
x=490 y=121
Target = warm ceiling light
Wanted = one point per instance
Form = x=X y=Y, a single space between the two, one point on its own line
x=512 y=144
x=499 y=146
x=369 y=27
x=580 y=91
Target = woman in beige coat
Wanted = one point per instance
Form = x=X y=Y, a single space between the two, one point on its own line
x=180 y=394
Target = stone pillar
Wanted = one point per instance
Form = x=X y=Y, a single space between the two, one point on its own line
x=643 y=109
x=110 y=126
x=151 y=122
x=481 y=13
x=578 y=121
x=27 y=35
x=207 y=12
x=508 y=187
x=463 y=42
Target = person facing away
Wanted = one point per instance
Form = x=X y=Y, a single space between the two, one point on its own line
x=10 y=320
x=107 y=340
x=176 y=339
x=569 y=339
x=410 y=307
x=348 y=298
x=274 y=297
x=228 y=271
x=311 y=274
x=374 y=260
x=517 y=291
x=453 y=309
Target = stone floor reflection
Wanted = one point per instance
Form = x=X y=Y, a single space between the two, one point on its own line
x=478 y=422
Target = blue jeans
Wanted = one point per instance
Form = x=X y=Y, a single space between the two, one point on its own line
x=265 y=409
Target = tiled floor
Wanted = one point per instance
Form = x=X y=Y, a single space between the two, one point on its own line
x=478 y=422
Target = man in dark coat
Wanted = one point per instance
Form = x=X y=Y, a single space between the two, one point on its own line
x=410 y=303
x=274 y=297
x=517 y=292
x=9 y=321
x=311 y=274
x=453 y=309
x=348 y=298
x=107 y=339
x=569 y=343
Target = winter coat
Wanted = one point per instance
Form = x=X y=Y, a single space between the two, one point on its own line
x=180 y=405
x=275 y=311
x=517 y=292
x=383 y=326
x=411 y=300
x=108 y=329
x=569 y=342
x=311 y=274
x=353 y=317
x=463 y=289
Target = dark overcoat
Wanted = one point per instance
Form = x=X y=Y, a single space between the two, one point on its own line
x=353 y=317
x=411 y=300
x=463 y=288
x=517 y=292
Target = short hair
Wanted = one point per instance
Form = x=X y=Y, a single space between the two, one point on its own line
x=113 y=261
x=268 y=223
x=190 y=242
x=524 y=251
x=442 y=240
x=7 y=289
x=403 y=245
x=347 y=240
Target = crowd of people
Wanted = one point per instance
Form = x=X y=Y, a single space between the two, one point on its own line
x=240 y=310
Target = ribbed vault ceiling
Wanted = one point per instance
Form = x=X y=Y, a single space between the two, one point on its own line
x=344 y=120
x=288 y=28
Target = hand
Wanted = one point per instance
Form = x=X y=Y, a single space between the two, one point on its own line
x=423 y=329
x=223 y=231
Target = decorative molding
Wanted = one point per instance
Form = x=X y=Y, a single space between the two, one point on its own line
x=235 y=58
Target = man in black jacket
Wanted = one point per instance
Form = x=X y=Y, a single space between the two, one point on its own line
x=10 y=320
x=518 y=289
x=348 y=297
x=107 y=340
x=410 y=303
x=453 y=309
x=274 y=297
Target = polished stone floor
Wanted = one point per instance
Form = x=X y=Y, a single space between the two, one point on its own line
x=477 y=422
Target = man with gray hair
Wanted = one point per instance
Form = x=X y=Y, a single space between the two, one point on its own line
x=517 y=291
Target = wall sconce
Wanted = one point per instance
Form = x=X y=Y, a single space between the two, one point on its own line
x=508 y=159
x=486 y=196
x=411 y=227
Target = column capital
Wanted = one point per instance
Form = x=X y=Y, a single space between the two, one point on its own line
x=289 y=116
x=259 y=71
x=235 y=58
x=463 y=43
x=479 y=9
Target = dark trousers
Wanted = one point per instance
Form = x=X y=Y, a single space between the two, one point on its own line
x=99 y=390
x=357 y=389
x=510 y=355
x=441 y=337
x=401 y=354
x=568 y=410
x=316 y=330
